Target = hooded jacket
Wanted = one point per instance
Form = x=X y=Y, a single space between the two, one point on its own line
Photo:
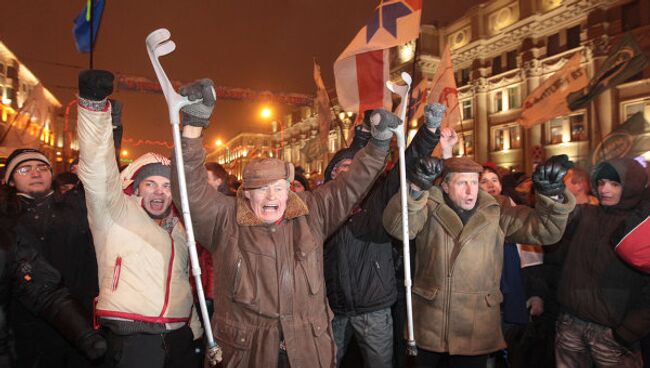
x=143 y=267
x=359 y=265
x=456 y=294
x=270 y=276
x=596 y=285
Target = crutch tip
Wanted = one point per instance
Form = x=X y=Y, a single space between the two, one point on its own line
x=412 y=349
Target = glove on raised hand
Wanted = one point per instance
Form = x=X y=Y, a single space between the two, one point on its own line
x=423 y=171
x=381 y=123
x=116 y=112
x=93 y=345
x=548 y=177
x=198 y=114
x=361 y=137
x=95 y=85
x=433 y=114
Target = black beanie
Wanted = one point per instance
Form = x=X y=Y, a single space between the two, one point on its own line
x=343 y=154
x=605 y=170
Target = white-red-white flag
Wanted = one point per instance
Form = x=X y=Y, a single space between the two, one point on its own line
x=362 y=69
x=443 y=90
x=549 y=100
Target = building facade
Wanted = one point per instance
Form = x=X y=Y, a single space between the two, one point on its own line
x=30 y=116
x=294 y=138
x=503 y=49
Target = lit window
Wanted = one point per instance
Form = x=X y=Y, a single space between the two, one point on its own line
x=467 y=109
x=498 y=101
x=578 y=128
x=567 y=129
x=515 y=137
x=630 y=109
x=514 y=97
x=507 y=137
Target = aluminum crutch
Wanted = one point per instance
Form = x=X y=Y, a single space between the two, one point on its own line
x=403 y=92
x=159 y=44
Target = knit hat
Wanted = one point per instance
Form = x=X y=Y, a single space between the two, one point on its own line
x=340 y=155
x=151 y=163
x=21 y=155
x=153 y=169
x=303 y=181
x=605 y=170
x=263 y=171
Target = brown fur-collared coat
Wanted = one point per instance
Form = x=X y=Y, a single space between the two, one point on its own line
x=269 y=279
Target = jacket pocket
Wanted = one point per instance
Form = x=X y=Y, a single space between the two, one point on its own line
x=494 y=298
x=235 y=342
x=244 y=288
x=310 y=263
x=429 y=294
x=117 y=270
x=323 y=342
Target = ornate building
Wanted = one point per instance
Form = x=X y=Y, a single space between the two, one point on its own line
x=294 y=138
x=503 y=49
x=29 y=114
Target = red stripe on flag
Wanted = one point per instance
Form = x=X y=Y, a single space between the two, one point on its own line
x=415 y=4
x=370 y=80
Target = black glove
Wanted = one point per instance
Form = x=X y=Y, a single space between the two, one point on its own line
x=198 y=114
x=93 y=345
x=69 y=318
x=423 y=171
x=116 y=112
x=361 y=137
x=95 y=85
x=382 y=122
x=548 y=177
x=433 y=114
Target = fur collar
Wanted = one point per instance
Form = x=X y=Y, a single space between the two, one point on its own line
x=295 y=207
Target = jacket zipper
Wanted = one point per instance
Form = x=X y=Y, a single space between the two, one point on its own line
x=116 y=273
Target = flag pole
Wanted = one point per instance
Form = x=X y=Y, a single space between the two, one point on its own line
x=90 y=20
x=409 y=112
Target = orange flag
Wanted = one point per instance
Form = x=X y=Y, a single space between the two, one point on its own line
x=549 y=100
x=444 y=91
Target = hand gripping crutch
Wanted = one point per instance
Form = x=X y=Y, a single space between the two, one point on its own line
x=159 y=44
x=403 y=92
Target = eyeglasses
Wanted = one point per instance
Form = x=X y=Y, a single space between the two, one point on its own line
x=25 y=170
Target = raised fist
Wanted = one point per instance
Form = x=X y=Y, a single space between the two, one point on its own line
x=424 y=171
x=199 y=113
x=548 y=177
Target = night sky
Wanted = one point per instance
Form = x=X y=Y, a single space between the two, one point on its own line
x=261 y=45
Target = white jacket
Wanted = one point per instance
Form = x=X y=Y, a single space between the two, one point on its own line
x=143 y=268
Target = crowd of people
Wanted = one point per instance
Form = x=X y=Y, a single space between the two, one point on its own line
x=509 y=270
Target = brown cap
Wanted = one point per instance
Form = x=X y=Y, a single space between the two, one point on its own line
x=461 y=165
x=263 y=171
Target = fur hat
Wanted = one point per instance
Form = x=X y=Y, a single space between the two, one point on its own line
x=263 y=171
x=21 y=155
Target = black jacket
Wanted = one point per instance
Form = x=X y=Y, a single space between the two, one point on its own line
x=358 y=257
x=594 y=284
x=26 y=278
x=61 y=236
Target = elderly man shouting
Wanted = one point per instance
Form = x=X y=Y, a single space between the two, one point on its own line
x=270 y=300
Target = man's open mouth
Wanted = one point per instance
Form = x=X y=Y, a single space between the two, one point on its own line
x=270 y=208
x=157 y=204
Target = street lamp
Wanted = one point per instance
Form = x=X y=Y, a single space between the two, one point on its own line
x=266 y=112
